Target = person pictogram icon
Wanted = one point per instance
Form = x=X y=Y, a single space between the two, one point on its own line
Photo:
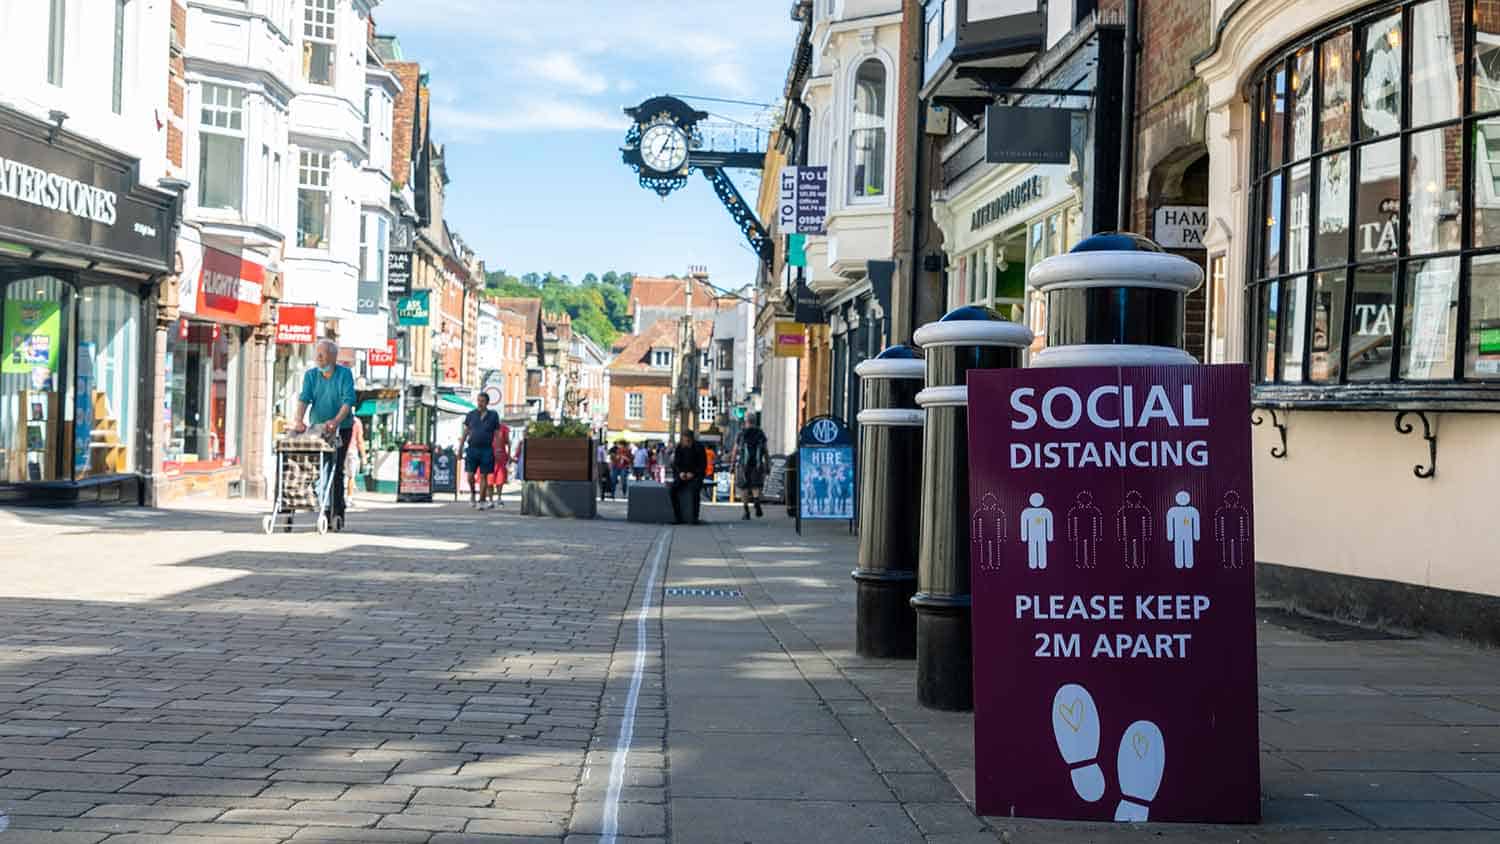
x=1183 y=529
x=1133 y=529
x=1085 y=530
x=987 y=532
x=1036 y=532
x=1232 y=531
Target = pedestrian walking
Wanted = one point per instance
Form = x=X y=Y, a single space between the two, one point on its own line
x=619 y=469
x=638 y=464
x=752 y=461
x=327 y=399
x=356 y=459
x=501 y=474
x=689 y=463
x=480 y=427
x=601 y=466
x=653 y=462
x=711 y=458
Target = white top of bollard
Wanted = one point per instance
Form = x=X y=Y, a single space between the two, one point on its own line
x=892 y=368
x=1119 y=354
x=973 y=332
x=1160 y=270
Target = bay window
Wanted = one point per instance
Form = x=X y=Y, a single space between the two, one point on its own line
x=221 y=147
x=319 y=41
x=313 y=198
x=867 y=132
x=1376 y=198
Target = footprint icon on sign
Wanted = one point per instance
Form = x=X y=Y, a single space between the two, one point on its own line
x=1142 y=756
x=1075 y=726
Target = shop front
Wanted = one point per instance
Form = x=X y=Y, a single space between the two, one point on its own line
x=998 y=228
x=82 y=247
x=1354 y=216
x=206 y=371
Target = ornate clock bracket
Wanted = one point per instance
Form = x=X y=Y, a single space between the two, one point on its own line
x=742 y=214
x=713 y=163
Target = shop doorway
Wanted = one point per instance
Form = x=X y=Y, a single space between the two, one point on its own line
x=34 y=417
x=1182 y=180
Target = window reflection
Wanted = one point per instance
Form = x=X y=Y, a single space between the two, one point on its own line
x=1371 y=323
x=1327 y=326
x=1380 y=84
x=1292 y=320
x=1336 y=63
x=1302 y=104
x=1437 y=49
x=1482 y=358
x=1378 y=212
x=1331 y=245
x=1432 y=201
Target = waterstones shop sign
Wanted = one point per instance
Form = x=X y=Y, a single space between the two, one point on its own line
x=50 y=193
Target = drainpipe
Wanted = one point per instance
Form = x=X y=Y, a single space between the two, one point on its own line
x=1127 y=119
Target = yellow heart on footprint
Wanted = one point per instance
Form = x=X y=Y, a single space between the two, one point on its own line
x=1142 y=744
x=1072 y=714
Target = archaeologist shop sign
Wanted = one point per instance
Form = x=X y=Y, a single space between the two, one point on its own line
x=1112 y=563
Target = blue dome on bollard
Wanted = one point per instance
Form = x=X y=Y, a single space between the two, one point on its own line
x=1117 y=242
x=969 y=313
x=900 y=351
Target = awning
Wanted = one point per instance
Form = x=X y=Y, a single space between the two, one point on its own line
x=370 y=407
x=455 y=404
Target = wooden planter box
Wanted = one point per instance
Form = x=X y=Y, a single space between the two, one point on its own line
x=559 y=459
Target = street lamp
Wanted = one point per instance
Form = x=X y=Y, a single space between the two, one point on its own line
x=439 y=341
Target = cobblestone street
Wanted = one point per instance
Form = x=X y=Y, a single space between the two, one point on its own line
x=439 y=675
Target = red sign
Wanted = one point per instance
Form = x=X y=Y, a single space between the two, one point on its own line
x=296 y=324
x=382 y=357
x=1112 y=569
x=416 y=471
x=229 y=288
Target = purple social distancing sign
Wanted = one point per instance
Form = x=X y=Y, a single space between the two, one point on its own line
x=1112 y=565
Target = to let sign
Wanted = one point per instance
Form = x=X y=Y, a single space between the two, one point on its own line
x=1181 y=226
x=1112 y=569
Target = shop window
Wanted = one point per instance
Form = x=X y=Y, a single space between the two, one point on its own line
x=867 y=135
x=204 y=386
x=105 y=382
x=32 y=379
x=635 y=406
x=57 y=25
x=1374 y=262
x=1218 y=313
x=314 y=170
x=221 y=147
x=319 y=38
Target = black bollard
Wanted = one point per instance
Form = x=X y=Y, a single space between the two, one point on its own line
x=890 y=455
x=966 y=338
x=1115 y=299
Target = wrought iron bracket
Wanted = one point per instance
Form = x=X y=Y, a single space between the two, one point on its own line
x=1276 y=421
x=1429 y=433
x=743 y=215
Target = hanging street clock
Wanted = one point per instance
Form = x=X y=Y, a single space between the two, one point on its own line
x=664 y=146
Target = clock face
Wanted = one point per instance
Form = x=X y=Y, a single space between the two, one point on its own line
x=664 y=148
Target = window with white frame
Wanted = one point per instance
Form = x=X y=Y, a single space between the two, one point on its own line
x=314 y=171
x=635 y=405
x=364 y=247
x=708 y=407
x=867 y=132
x=666 y=407
x=368 y=154
x=221 y=147
x=273 y=212
x=661 y=358
x=319 y=38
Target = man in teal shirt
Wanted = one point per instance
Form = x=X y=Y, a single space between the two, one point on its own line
x=328 y=389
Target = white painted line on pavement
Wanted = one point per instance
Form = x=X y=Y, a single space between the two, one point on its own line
x=4 y=822
x=627 y=724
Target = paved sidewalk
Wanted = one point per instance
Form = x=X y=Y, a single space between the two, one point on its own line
x=1364 y=739
x=433 y=675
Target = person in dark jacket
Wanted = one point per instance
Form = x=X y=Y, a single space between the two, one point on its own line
x=689 y=463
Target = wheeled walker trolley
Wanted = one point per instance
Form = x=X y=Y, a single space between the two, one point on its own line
x=305 y=468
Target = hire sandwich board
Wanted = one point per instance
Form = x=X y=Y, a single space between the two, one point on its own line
x=825 y=471
x=1112 y=569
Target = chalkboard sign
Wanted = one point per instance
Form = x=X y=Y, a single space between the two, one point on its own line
x=776 y=479
x=444 y=471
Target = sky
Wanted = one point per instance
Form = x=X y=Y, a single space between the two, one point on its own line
x=527 y=98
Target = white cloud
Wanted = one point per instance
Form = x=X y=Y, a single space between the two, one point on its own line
x=528 y=116
x=566 y=71
x=730 y=77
